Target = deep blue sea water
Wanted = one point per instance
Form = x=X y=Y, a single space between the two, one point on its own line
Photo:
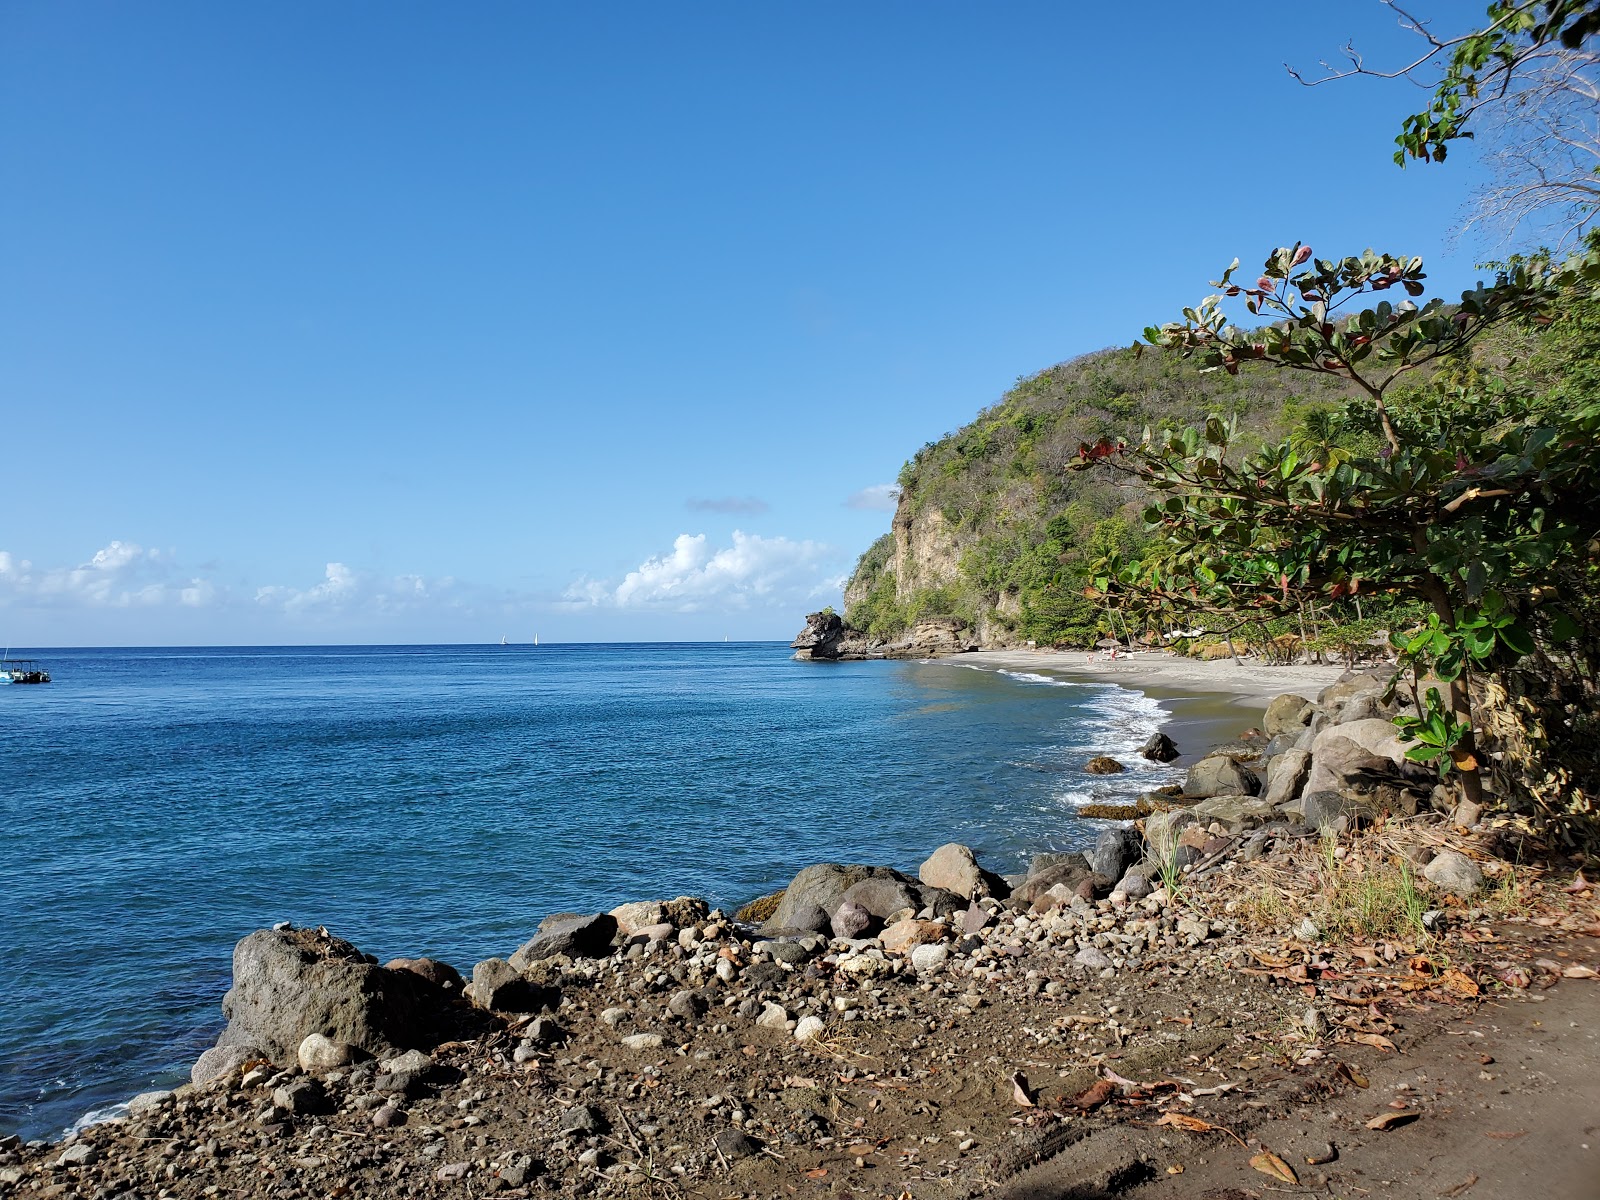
x=159 y=804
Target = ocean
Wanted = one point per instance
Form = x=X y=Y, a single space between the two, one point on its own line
x=159 y=804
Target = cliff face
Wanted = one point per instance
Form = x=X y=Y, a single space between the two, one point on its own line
x=991 y=532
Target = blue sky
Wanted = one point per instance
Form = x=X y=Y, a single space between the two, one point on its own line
x=400 y=322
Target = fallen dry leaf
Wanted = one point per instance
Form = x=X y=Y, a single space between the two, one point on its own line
x=1097 y=1095
x=1269 y=1163
x=1578 y=884
x=1346 y=1071
x=817 y=1173
x=798 y=1081
x=1175 y=1169
x=1577 y=972
x=1366 y=954
x=1327 y=1156
x=1459 y=983
x=1183 y=1121
x=1376 y=1040
x=1020 y=1091
x=1448 y=1193
x=1392 y=1120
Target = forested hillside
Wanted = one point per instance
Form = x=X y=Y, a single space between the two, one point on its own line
x=993 y=529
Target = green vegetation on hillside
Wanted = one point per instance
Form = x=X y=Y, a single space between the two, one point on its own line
x=1022 y=526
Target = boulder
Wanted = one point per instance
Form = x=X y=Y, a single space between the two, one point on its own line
x=440 y=974
x=1340 y=753
x=302 y=1097
x=1115 y=850
x=640 y=914
x=1160 y=748
x=884 y=896
x=851 y=921
x=823 y=886
x=1286 y=775
x=290 y=983
x=223 y=1060
x=1235 y=813
x=1329 y=811
x=1455 y=873
x=1071 y=876
x=929 y=957
x=680 y=913
x=570 y=934
x=954 y=868
x=321 y=1053
x=1044 y=860
x=1219 y=775
x=1104 y=764
x=497 y=986
x=1162 y=830
x=900 y=937
x=1287 y=715
x=1135 y=884
x=1357 y=695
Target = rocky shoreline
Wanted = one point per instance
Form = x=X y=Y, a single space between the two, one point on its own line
x=867 y=1031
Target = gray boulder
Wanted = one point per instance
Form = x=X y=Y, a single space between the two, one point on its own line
x=1329 y=811
x=1160 y=748
x=1235 y=813
x=1073 y=877
x=1286 y=775
x=1219 y=775
x=1287 y=715
x=1357 y=695
x=290 y=983
x=1455 y=873
x=1339 y=753
x=499 y=987
x=221 y=1060
x=883 y=896
x=1115 y=850
x=823 y=886
x=851 y=921
x=570 y=934
x=1162 y=830
x=1046 y=859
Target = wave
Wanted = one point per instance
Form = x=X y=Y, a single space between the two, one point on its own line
x=1032 y=677
x=98 y=1116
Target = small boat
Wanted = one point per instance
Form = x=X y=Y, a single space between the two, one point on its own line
x=22 y=670
x=503 y=641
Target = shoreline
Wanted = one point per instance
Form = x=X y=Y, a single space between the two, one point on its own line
x=989 y=1045
x=1205 y=707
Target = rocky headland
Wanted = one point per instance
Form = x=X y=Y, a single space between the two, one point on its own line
x=1303 y=970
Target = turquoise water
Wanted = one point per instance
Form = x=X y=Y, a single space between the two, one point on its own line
x=159 y=804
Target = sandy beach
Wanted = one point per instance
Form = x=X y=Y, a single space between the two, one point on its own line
x=1251 y=681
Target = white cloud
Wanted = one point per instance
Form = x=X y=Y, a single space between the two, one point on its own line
x=880 y=497
x=696 y=577
x=344 y=589
x=120 y=575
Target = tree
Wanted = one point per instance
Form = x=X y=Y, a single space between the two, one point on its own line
x=1529 y=82
x=1469 y=503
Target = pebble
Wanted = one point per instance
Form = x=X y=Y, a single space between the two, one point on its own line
x=642 y=1041
x=808 y=1028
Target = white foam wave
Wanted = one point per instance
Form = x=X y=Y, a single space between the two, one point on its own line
x=1033 y=677
x=99 y=1116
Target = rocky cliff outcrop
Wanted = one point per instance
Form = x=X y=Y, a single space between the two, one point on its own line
x=826 y=638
